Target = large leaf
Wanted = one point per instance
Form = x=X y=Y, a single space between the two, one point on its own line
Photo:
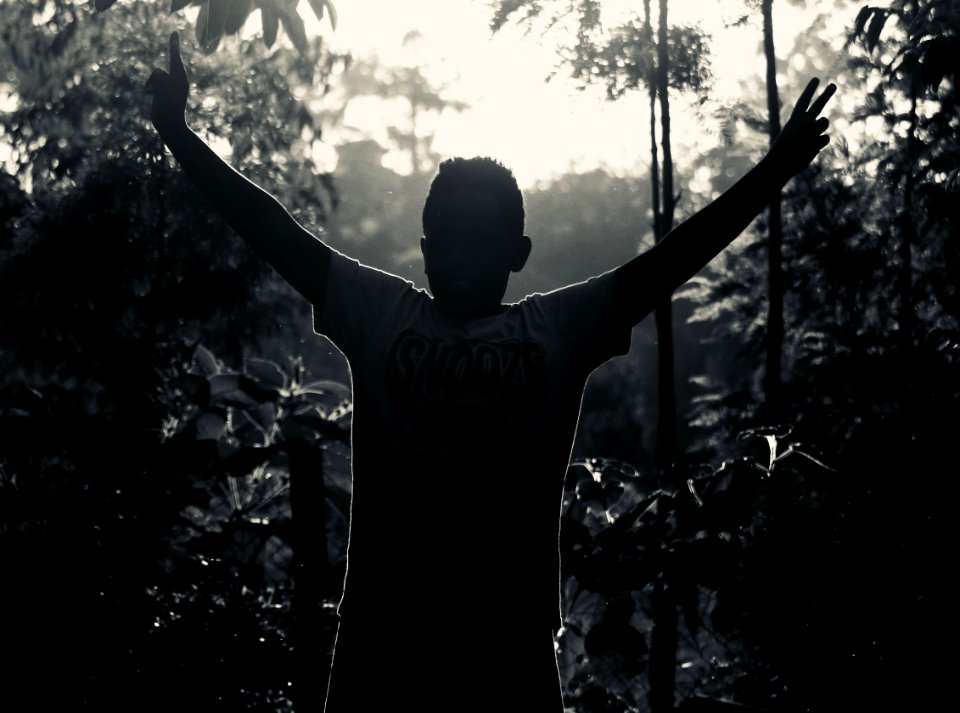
x=318 y=8
x=874 y=28
x=210 y=426
x=293 y=24
x=317 y=425
x=270 y=20
x=268 y=373
x=102 y=5
x=196 y=388
x=239 y=12
x=324 y=387
x=226 y=389
x=332 y=12
x=215 y=18
x=205 y=361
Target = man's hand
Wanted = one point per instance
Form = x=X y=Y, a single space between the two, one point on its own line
x=169 y=90
x=803 y=136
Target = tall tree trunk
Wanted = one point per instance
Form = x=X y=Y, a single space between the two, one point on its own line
x=667 y=420
x=654 y=155
x=663 y=647
x=772 y=376
x=663 y=643
x=311 y=575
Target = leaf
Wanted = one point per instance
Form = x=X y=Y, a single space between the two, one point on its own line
x=204 y=359
x=866 y=12
x=200 y=30
x=317 y=425
x=332 y=12
x=266 y=372
x=102 y=5
x=196 y=388
x=239 y=12
x=317 y=6
x=937 y=59
x=324 y=387
x=178 y=5
x=216 y=19
x=226 y=389
x=270 y=21
x=792 y=450
x=876 y=27
x=293 y=24
x=262 y=416
x=210 y=426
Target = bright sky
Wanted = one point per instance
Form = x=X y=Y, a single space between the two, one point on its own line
x=538 y=129
x=542 y=129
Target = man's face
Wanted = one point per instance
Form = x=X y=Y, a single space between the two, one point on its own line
x=469 y=255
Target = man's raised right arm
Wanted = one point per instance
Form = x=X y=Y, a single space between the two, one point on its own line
x=255 y=215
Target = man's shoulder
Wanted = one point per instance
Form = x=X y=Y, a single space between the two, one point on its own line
x=595 y=288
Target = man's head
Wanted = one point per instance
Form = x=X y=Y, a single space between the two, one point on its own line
x=472 y=235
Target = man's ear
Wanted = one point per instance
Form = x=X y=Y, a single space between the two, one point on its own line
x=520 y=253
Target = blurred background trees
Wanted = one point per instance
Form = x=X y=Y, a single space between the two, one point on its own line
x=165 y=411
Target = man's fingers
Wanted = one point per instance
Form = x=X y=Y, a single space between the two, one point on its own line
x=822 y=124
x=177 y=70
x=804 y=101
x=157 y=77
x=823 y=99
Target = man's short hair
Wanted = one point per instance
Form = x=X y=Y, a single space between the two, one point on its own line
x=480 y=174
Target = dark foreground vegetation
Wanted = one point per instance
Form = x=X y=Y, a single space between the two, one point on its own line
x=174 y=441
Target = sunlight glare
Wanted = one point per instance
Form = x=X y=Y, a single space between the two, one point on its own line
x=543 y=129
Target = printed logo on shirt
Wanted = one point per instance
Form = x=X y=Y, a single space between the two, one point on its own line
x=420 y=368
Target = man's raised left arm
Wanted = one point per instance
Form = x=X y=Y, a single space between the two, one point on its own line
x=656 y=273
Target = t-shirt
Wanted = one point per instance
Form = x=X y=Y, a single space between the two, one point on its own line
x=462 y=432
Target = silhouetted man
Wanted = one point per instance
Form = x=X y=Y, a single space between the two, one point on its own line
x=464 y=413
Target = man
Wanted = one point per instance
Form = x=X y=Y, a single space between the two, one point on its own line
x=464 y=413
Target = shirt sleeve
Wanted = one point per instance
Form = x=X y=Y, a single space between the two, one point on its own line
x=584 y=315
x=357 y=301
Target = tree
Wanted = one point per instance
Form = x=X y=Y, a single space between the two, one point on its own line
x=409 y=84
x=625 y=58
x=629 y=58
x=852 y=390
x=134 y=570
x=923 y=37
x=772 y=375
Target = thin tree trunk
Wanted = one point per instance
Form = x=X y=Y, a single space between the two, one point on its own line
x=311 y=575
x=775 y=328
x=654 y=155
x=667 y=420
x=663 y=642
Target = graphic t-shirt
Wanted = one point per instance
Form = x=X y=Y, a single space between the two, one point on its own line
x=462 y=431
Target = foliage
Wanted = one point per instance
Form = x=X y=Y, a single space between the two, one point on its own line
x=133 y=572
x=622 y=57
x=706 y=540
x=197 y=515
x=409 y=85
x=217 y=18
x=877 y=392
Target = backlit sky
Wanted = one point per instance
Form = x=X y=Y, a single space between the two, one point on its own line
x=541 y=129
